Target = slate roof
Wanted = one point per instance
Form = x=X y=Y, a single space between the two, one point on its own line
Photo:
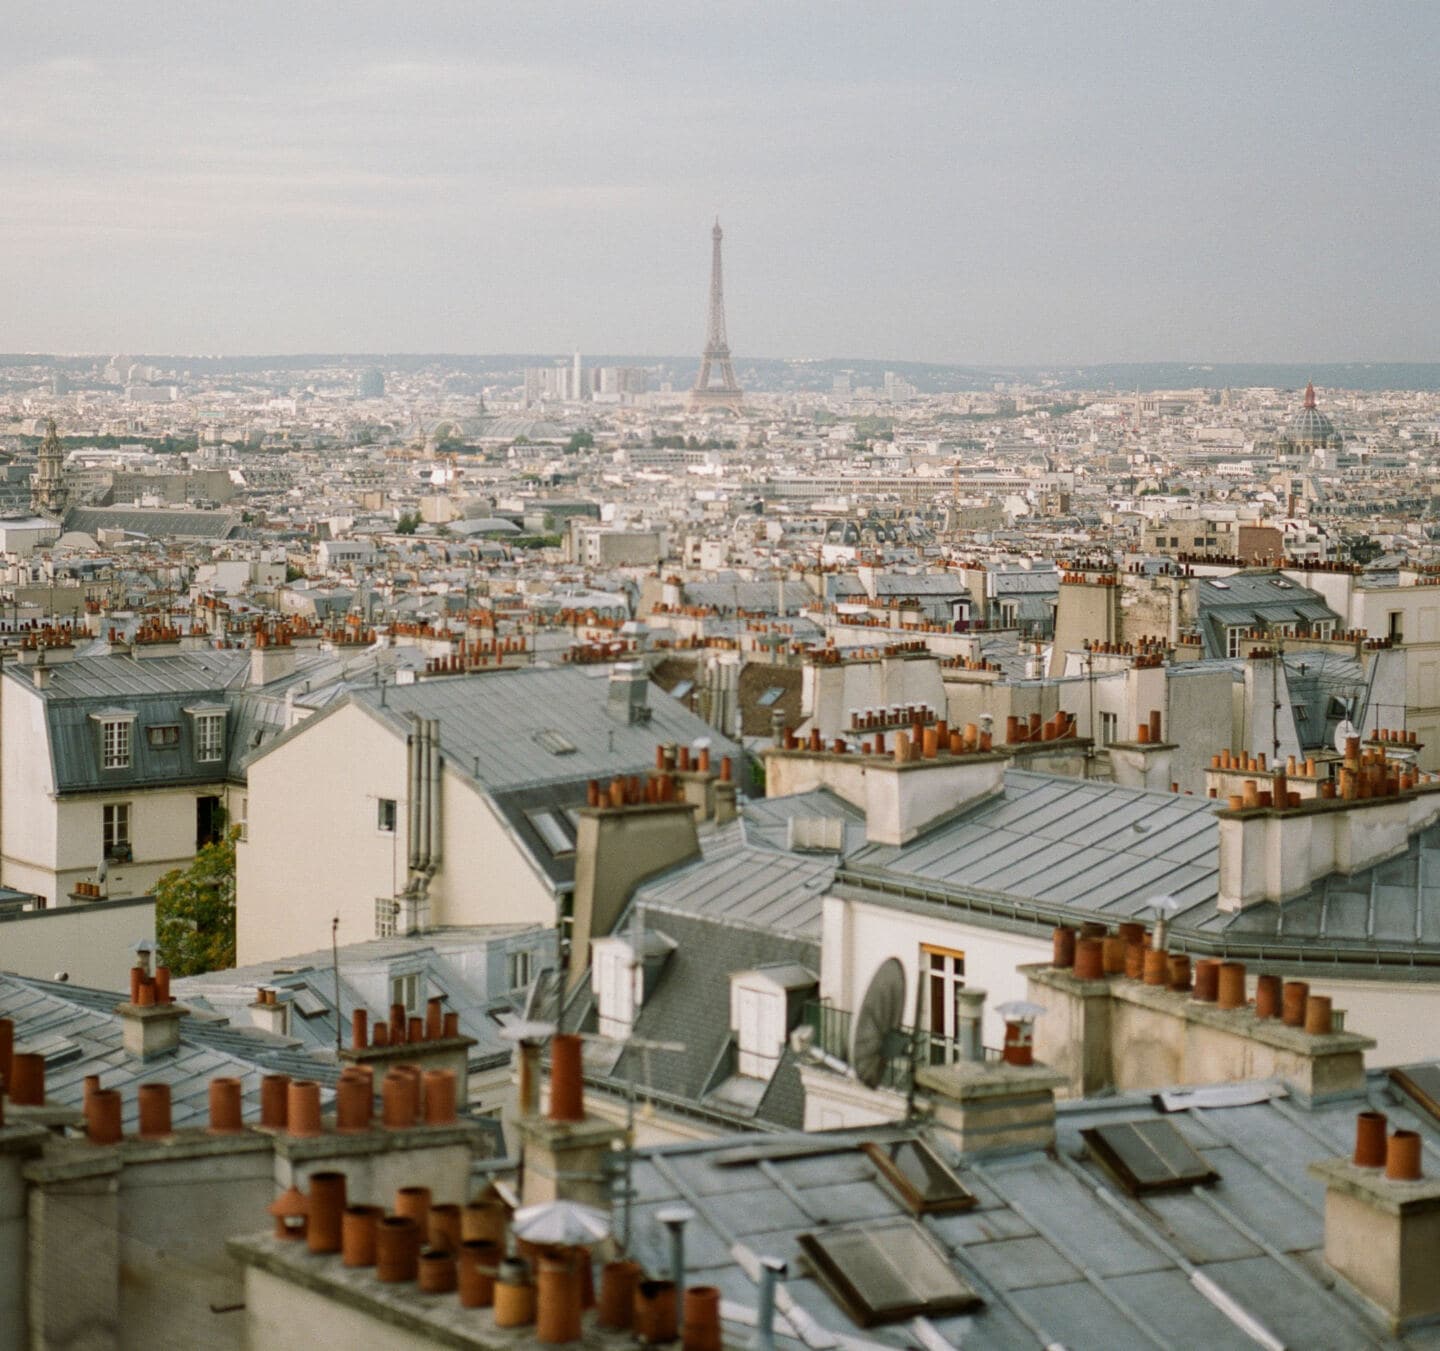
x=690 y=1004
x=489 y=724
x=1252 y=600
x=757 y=597
x=48 y=1012
x=1059 y=1254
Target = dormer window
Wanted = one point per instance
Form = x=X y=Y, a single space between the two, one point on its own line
x=116 y=727
x=209 y=731
x=615 y=979
x=117 y=743
x=764 y=1005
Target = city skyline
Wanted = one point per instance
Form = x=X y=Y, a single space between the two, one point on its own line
x=1104 y=185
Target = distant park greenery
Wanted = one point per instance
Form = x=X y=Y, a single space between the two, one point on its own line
x=408 y=523
x=195 y=911
x=580 y=441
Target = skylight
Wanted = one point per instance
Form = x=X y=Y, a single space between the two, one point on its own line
x=1218 y=584
x=1146 y=1156
x=551 y=828
x=770 y=696
x=1422 y=1083
x=923 y=1179
x=557 y=743
x=887 y=1271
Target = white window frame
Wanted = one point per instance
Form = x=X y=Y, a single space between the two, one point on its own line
x=115 y=829
x=616 y=980
x=380 y=814
x=520 y=967
x=209 y=737
x=405 y=989
x=1234 y=638
x=116 y=742
x=387 y=912
x=1109 y=728
x=757 y=1018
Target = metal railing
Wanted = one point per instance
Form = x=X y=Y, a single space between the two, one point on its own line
x=832 y=1026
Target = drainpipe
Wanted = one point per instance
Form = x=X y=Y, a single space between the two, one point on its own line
x=412 y=772
x=436 y=769
x=675 y=1218
x=772 y=1271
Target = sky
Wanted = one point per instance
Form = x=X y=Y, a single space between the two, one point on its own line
x=993 y=183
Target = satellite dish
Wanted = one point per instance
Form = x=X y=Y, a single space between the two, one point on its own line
x=1346 y=730
x=877 y=1024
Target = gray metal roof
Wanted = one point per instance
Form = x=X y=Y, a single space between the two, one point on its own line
x=1059 y=1254
x=157 y=522
x=45 y=1012
x=489 y=724
x=1068 y=842
x=748 y=885
x=767 y=820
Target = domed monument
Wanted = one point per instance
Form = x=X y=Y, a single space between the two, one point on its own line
x=1310 y=429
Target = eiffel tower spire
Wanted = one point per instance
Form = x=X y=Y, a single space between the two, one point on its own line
x=727 y=393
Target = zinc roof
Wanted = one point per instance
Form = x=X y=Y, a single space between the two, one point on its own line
x=489 y=724
x=1059 y=1254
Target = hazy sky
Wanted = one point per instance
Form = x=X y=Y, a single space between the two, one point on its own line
x=953 y=182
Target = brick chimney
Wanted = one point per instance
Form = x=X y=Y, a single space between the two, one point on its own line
x=616 y=848
x=902 y=793
x=150 y=1030
x=1382 y=1223
x=565 y=1153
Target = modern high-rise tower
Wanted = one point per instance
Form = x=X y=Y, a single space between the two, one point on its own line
x=727 y=393
x=49 y=493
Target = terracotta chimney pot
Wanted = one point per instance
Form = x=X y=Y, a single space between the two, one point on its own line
x=558 y=1297
x=1113 y=955
x=414 y=1204
x=1230 y=985
x=439 y=1097
x=1267 y=996
x=1317 y=1015
x=1090 y=959
x=302 y=1108
x=567 y=1087
x=327 y=1205
x=137 y=978
x=618 y=1282
x=1134 y=961
x=360 y=1029
x=414 y=1030
x=1180 y=972
x=354 y=1103
x=1293 y=999
x=154 y=1100
x=102 y=1117
x=357 y=1235
x=274 y=1099
x=655 y=1313
x=225 y=1115
x=475 y=1278
x=1402 y=1157
x=1207 y=980
x=27 y=1079
x=1157 y=967
x=1370 y=1143
x=1062 y=947
x=162 y=985
x=702 y=1318
x=483 y=1222
x=436 y=1270
x=397 y=1249
x=514 y=1295
x=397 y=1099
x=434 y=1018
x=451 y=1026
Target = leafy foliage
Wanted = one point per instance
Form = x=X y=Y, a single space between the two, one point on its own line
x=408 y=523
x=195 y=911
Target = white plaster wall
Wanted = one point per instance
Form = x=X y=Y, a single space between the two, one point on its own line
x=94 y=944
x=313 y=849
x=859 y=936
x=28 y=837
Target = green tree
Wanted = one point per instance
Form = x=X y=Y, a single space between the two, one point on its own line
x=408 y=523
x=195 y=911
x=580 y=441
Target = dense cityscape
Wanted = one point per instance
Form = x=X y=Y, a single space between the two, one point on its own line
x=733 y=849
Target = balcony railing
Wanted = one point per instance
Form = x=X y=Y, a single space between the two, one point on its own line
x=832 y=1035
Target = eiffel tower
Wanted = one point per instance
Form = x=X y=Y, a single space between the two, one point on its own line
x=727 y=394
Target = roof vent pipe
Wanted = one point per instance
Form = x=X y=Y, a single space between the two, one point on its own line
x=772 y=1271
x=675 y=1218
x=436 y=766
x=971 y=1018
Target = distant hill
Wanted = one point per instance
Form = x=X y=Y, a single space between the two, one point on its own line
x=772 y=373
